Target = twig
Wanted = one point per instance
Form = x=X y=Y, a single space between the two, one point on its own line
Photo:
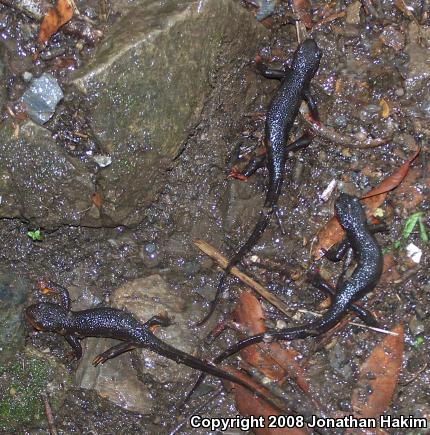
x=360 y=325
x=262 y=291
x=333 y=136
x=49 y=416
x=330 y=18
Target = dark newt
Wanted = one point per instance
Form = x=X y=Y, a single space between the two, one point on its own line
x=364 y=279
x=117 y=324
x=280 y=117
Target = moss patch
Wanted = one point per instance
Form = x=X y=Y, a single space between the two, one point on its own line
x=21 y=382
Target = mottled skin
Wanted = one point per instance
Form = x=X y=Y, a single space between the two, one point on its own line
x=364 y=278
x=117 y=324
x=280 y=117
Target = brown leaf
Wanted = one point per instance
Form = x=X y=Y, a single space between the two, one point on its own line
x=402 y=7
x=97 y=199
x=302 y=9
x=248 y=405
x=390 y=182
x=333 y=232
x=385 y=108
x=378 y=376
x=409 y=194
x=56 y=17
x=275 y=361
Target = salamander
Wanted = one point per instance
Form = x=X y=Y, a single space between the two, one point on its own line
x=280 y=117
x=117 y=324
x=366 y=275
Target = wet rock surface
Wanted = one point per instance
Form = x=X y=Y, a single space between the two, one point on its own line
x=150 y=296
x=118 y=378
x=41 y=183
x=146 y=93
x=13 y=295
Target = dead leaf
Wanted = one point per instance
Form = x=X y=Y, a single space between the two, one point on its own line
x=385 y=108
x=56 y=17
x=390 y=182
x=390 y=273
x=247 y=404
x=409 y=194
x=302 y=9
x=97 y=199
x=404 y=8
x=378 y=376
x=273 y=360
x=333 y=232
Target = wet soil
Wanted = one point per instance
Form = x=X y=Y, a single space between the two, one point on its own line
x=359 y=69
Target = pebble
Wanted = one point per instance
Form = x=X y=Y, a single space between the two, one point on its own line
x=41 y=98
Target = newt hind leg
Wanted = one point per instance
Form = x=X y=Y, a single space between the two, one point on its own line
x=112 y=352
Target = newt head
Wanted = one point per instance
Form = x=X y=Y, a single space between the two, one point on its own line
x=349 y=211
x=47 y=317
x=306 y=58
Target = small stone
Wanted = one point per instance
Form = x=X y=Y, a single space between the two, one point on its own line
x=346 y=152
x=416 y=326
x=102 y=160
x=353 y=13
x=41 y=98
x=394 y=38
x=27 y=76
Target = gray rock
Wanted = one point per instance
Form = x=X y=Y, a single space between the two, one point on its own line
x=3 y=89
x=353 y=13
x=13 y=294
x=147 y=88
x=39 y=182
x=41 y=98
x=117 y=379
x=150 y=296
x=266 y=8
x=418 y=50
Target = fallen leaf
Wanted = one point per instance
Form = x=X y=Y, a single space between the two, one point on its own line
x=404 y=8
x=389 y=272
x=97 y=199
x=409 y=194
x=390 y=182
x=302 y=9
x=378 y=376
x=248 y=405
x=385 y=108
x=56 y=17
x=332 y=232
x=273 y=360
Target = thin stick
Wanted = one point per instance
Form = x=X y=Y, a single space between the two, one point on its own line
x=360 y=325
x=258 y=288
x=336 y=137
x=49 y=416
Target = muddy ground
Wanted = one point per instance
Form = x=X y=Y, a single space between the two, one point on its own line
x=372 y=58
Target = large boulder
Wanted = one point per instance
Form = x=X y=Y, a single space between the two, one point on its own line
x=146 y=86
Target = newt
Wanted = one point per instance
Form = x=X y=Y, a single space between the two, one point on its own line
x=280 y=117
x=117 y=324
x=369 y=259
